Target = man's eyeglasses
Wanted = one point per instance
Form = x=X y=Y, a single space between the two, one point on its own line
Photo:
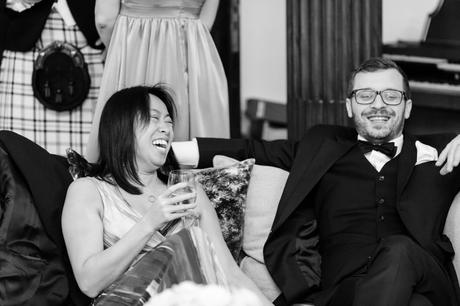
x=389 y=96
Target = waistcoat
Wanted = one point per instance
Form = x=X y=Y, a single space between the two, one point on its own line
x=354 y=198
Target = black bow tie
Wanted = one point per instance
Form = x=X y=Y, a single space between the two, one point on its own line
x=387 y=148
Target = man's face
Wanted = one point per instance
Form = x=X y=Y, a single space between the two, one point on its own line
x=378 y=122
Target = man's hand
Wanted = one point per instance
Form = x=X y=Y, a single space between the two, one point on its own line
x=450 y=156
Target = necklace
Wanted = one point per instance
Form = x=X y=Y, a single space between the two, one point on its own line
x=151 y=198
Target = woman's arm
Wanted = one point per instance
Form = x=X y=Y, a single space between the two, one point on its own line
x=208 y=13
x=92 y=147
x=106 y=12
x=94 y=267
x=210 y=225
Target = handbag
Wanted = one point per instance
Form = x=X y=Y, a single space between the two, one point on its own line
x=60 y=78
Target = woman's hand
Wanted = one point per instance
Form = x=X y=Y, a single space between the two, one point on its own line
x=170 y=206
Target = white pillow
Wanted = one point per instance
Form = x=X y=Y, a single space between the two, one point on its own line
x=264 y=192
x=451 y=229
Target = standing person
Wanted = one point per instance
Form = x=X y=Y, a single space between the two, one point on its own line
x=165 y=41
x=124 y=208
x=27 y=28
x=374 y=196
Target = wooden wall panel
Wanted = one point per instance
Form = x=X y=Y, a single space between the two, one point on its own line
x=326 y=39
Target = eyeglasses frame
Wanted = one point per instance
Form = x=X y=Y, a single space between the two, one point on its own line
x=378 y=93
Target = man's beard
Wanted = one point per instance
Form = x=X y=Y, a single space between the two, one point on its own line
x=378 y=132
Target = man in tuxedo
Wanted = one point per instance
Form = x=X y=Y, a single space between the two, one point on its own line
x=373 y=195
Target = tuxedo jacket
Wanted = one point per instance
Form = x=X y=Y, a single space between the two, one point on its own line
x=20 y=31
x=291 y=251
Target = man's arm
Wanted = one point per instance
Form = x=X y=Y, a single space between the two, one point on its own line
x=105 y=13
x=278 y=153
x=450 y=156
x=209 y=12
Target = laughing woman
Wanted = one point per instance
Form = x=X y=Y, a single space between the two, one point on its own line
x=122 y=210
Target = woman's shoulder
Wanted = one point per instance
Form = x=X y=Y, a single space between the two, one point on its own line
x=84 y=186
x=87 y=192
x=86 y=181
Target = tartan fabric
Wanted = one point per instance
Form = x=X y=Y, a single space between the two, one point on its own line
x=22 y=113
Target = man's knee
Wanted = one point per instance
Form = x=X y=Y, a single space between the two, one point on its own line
x=399 y=247
x=419 y=300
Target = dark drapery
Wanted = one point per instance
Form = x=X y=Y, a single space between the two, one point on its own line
x=326 y=39
x=225 y=33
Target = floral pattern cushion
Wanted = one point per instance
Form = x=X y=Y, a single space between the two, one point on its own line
x=227 y=187
x=78 y=165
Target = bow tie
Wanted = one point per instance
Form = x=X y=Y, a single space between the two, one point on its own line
x=387 y=148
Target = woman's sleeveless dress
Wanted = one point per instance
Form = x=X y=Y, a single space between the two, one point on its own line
x=165 y=41
x=119 y=217
x=181 y=254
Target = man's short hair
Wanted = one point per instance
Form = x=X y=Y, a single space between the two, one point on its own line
x=375 y=64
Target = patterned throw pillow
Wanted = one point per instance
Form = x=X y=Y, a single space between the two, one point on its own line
x=227 y=187
x=78 y=165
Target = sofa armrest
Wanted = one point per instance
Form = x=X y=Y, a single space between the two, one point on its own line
x=452 y=230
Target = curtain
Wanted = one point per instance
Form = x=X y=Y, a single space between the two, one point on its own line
x=326 y=39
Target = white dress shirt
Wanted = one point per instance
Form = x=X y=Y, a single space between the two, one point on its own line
x=378 y=159
x=61 y=7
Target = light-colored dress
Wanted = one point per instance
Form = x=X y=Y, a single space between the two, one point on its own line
x=165 y=41
x=180 y=254
x=119 y=217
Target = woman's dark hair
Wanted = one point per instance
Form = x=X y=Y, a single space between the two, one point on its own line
x=122 y=112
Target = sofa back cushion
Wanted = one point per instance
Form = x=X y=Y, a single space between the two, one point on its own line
x=264 y=193
x=452 y=230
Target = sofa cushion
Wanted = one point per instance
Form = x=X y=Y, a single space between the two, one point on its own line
x=452 y=230
x=259 y=274
x=264 y=192
x=226 y=185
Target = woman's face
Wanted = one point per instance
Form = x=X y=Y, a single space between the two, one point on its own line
x=153 y=140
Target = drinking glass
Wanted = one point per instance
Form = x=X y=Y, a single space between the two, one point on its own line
x=188 y=176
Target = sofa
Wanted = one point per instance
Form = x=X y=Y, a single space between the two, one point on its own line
x=31 y=177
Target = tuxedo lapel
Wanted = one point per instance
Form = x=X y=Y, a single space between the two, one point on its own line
x=307 y=171
x=406 y=163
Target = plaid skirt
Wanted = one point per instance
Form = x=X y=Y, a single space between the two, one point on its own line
x=22 y=113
